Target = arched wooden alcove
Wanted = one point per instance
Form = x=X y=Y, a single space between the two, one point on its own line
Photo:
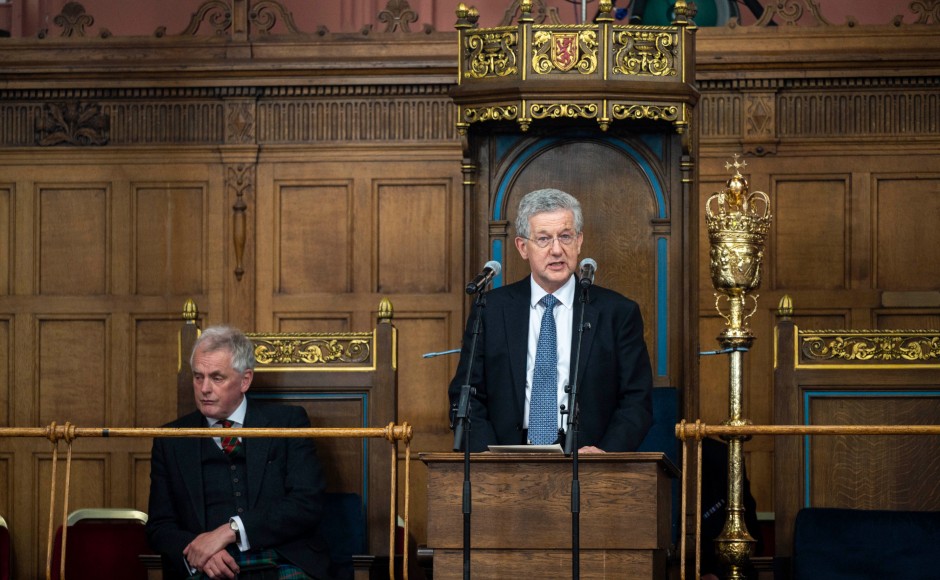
x=607 y=121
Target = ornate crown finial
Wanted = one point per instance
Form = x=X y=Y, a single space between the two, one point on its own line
x=738 y=165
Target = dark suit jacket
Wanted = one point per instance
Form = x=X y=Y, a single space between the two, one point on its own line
x=285 y=486
x=615 y=379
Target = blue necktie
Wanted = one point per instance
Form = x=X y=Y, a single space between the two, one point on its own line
x=543 y=402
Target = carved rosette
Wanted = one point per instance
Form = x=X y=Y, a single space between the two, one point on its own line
x=312 y=349
x=870 y=346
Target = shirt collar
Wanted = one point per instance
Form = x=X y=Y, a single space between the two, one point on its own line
x=565 y=294
x=237 y=417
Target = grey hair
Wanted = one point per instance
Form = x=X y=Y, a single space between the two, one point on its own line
x=230 y=339
x=546 y=200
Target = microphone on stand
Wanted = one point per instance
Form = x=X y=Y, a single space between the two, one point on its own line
x=490 y=270
x=586 y=271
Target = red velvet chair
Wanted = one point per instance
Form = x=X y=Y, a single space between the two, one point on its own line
x=104 y=543
x=6 y=564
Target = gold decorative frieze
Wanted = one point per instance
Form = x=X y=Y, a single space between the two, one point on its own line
x=312 y=349
x=491 y=53
x=870 y=346
x=507 y=113
x=645 y=111
x=564 y=50
x=645 y=51
x=563 y=111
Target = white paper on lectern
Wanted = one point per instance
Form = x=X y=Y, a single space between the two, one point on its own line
x=556 y=448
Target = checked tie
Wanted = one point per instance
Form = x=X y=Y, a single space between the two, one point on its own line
x=543 y=403
x=230 y=445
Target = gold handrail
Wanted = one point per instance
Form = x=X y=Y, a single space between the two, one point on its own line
x=68 y=433
x=697 y=431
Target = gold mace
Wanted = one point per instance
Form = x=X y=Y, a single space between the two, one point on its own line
x=737 y=223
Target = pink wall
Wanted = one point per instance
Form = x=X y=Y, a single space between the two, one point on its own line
x=142 y=17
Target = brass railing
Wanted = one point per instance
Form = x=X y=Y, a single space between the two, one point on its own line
x=68 y=433
x=698 y=431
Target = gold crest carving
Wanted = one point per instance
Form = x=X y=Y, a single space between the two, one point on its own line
x=564 y=50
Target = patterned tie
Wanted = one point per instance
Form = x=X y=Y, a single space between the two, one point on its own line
x=230 y=445
x=543 y=402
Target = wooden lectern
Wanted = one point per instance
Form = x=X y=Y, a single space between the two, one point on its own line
x=521 y=514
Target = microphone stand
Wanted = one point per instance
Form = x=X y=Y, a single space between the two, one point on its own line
x=571 y=448
x=462 y=427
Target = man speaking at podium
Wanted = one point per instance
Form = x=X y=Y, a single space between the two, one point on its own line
x=527 y=345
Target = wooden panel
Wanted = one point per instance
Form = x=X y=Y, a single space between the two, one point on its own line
x=6 y=238
x=140 y=481
x=594 y=564
x=6 y=371
x=810 y=251
x=313 y=322
x=170 y=239
x=620 y=502
x=154 y=362
x=907 y=245
x=314 y=230
x=422 y=390
x=412 y=237
x=914 y=320
x=73 y=377
x=73 y=240
x=713 y=373
x=890 y=472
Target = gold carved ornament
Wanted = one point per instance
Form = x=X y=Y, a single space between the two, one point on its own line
x=312 y=350
x=564 y=51
x=870 y=347
x=491 y=53
x=645 y=52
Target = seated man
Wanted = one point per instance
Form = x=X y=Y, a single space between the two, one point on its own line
x=223 y=506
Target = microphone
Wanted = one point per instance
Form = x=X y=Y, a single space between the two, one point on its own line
x=586 y=271
x=490 y=270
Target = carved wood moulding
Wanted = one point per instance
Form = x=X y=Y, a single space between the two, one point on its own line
x=837 y=109
x=237 y=117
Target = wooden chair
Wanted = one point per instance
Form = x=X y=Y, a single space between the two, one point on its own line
x=853 y=377
x=102 y=543
x=342 y=379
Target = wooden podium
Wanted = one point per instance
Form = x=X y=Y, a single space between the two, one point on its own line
x=521 y=514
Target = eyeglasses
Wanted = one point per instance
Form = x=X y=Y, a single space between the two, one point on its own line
x=546 y=241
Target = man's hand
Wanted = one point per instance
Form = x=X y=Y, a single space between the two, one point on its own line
x=207 y=553
x=590 y=449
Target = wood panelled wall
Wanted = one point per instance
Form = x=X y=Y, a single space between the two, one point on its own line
x=287 y=183
x=841 y=128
